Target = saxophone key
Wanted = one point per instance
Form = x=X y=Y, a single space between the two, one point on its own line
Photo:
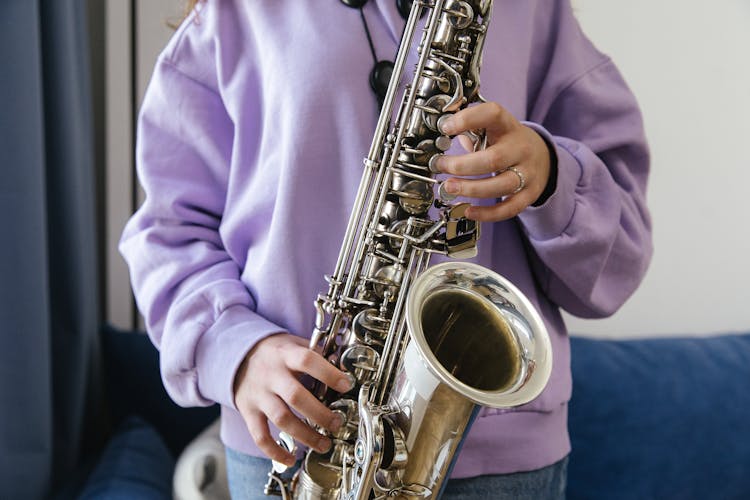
x=361 y=361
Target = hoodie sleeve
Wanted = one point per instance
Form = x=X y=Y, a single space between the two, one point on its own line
x=197 y=310
x=591 y=240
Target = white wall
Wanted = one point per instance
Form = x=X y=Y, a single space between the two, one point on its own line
x=120 y=309
x=137 y=30
x=688 y=63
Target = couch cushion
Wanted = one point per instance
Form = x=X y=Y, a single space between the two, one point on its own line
x=135 y=464
x=134 y=387
x=660 y=418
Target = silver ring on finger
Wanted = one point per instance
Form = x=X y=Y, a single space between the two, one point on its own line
x=521 y=179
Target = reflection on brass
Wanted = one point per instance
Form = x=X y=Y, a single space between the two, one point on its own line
x=472 y=341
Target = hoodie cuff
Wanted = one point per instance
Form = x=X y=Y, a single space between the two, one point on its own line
x=223 y=347
x=552 y=217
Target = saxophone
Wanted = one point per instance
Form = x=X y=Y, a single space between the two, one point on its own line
x=427 y=345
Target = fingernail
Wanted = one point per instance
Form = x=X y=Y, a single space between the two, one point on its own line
x=336 y=422
x=451 y=186
x=437 y=163
x=446 y=124
x=324 y=445
x=346 y=384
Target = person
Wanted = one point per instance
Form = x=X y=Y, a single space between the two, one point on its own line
x=249 y=150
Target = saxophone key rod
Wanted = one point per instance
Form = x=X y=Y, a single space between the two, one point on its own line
x=427 y=344
x=375 y=150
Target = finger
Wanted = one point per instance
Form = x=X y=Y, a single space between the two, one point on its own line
x=466 y=143
x=489 y=116
x=283 y=418
x=497 y=186
x=306 y=361
x=506 y=209
x=497 y=157
x=298 y=397
x=299 y=340
x=257 y=425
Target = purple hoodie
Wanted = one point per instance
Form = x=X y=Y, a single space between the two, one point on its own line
x=250 y=147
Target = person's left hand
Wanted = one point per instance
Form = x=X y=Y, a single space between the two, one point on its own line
x=516 y=157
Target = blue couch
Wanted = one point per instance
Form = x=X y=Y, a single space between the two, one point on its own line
x=660 y=419
x=665 y=418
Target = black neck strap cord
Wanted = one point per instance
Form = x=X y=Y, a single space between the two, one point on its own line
x=369 y=37
x=380 y=75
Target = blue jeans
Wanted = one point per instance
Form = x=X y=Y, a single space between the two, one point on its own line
x=247 y=475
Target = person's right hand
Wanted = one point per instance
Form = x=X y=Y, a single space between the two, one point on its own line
x=267 y=387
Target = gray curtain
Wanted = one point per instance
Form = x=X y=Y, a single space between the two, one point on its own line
x=48 y=266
